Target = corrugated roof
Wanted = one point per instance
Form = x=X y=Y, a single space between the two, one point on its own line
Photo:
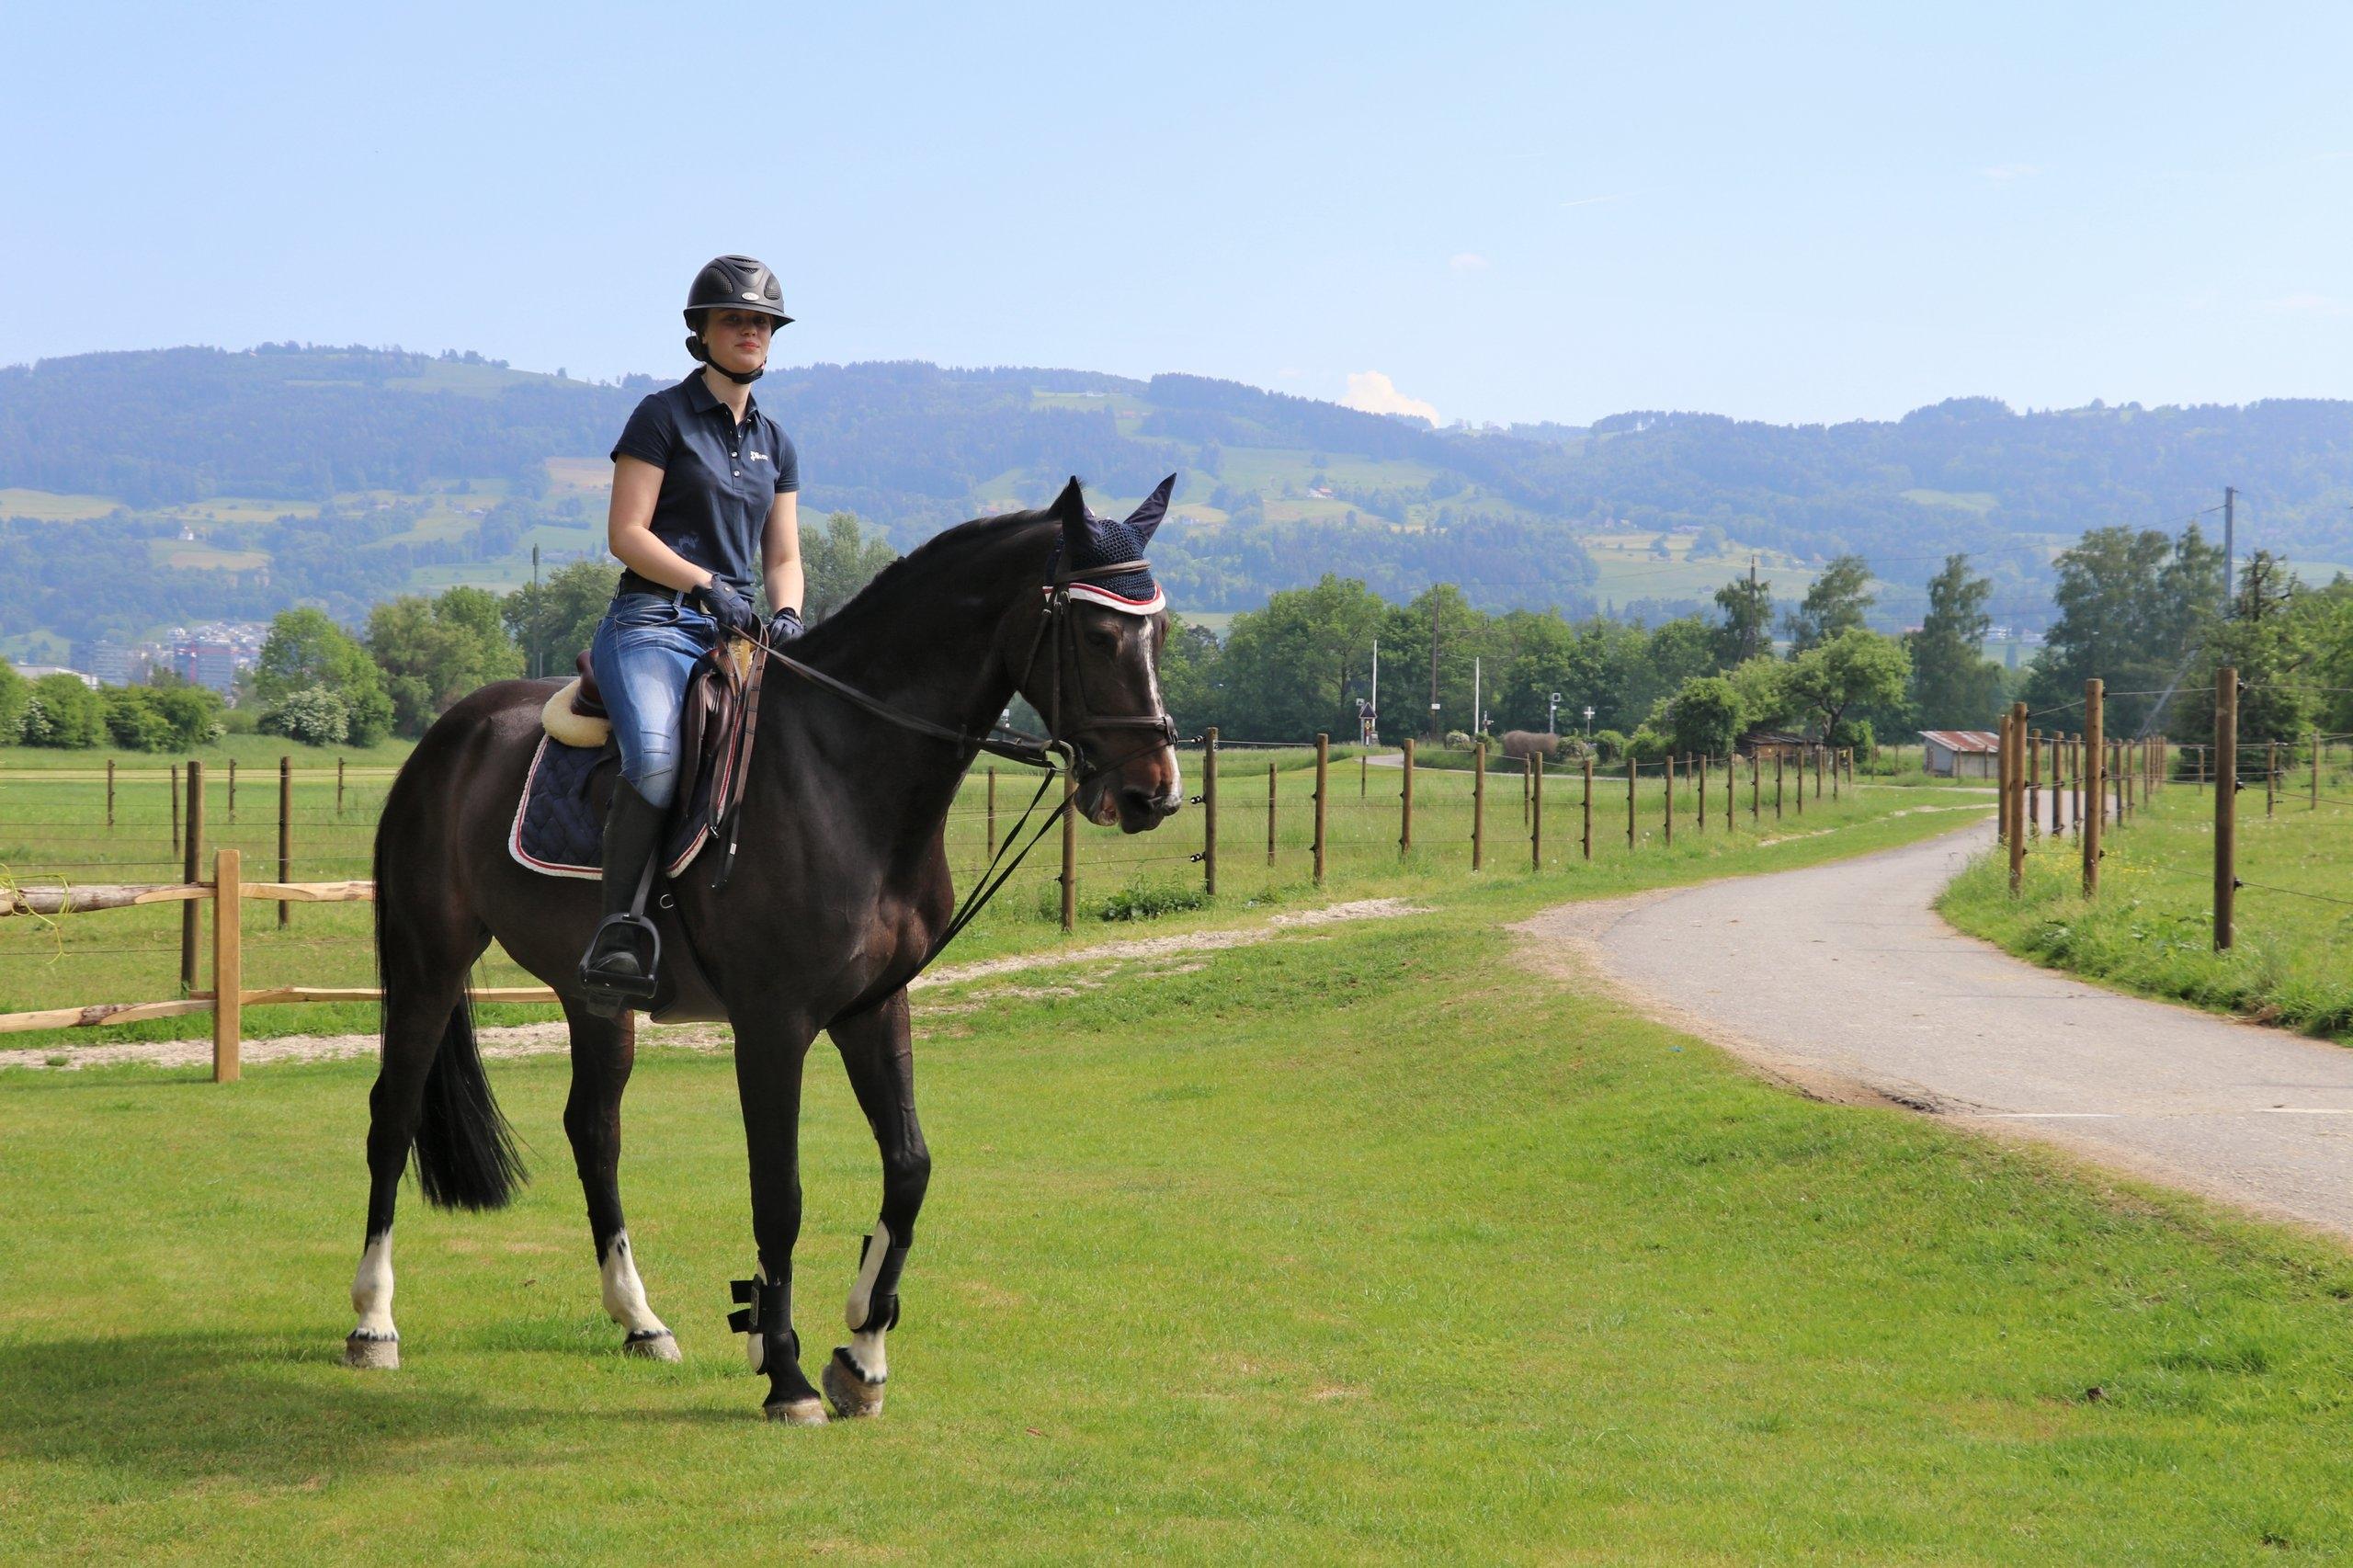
x=1964 y=740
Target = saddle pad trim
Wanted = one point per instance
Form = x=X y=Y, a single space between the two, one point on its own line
x=523 y=857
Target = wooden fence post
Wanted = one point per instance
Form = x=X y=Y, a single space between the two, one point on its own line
x=1323 y=792
x=2226 y=804
x=1633 y=770
x=990 y=821
x=1755 y=786
x=1670 y=817
x=1527 y=786
x=191 y=871
x=1070 y=849
x=1703 y=792
x=1208 y=810
x=2094 y=760
x=2056 y=754
x=1778 y=754
x=228 y=964
x=2315 y=805
x=2002 y=779
x=2075 y=783
x=285 y=836
x=110 y=794
x=1732 y=778
x=338 y=787
x=2116 y=759
x=1817 y=772
x=2017 y=793
x=1834 y=773
x=1405 y=809
x=1479 y=803
x=1536 y=811
x=176 y=808
x=1801 y=772
x=1588 y=805
x=232 y=790
x=1364 y=774
x=2034 y=783
x=1271 y=813
x=2270 y=778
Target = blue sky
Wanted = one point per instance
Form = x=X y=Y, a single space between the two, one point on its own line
x=1510 y=212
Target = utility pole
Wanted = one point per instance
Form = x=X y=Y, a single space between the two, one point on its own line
x=1376 y=688
x=1436 y=733
x=2230 y=545
x=1478 y=696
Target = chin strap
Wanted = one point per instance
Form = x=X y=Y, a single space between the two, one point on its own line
x=741 y=378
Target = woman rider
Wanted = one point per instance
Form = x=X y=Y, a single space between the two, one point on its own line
x=705 y=496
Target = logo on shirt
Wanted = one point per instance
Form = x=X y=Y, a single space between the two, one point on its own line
x=756 y=457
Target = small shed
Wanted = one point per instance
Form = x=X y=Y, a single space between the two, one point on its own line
x=1768 y=744
x=1961 y=754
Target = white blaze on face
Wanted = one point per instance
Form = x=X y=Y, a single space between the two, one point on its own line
x=1151 y=684
x=372 y=1289
x=624 y=1295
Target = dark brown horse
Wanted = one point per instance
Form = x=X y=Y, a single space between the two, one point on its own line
x=838 y=898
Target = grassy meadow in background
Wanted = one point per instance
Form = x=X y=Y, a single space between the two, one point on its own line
x=2152 y=928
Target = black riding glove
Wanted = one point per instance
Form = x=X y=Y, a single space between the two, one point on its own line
x=730 y=609
x=784 y=626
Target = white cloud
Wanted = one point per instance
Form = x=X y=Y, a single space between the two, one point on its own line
x=1467 y=261
x=1372 y=392
x=2309 y=304
x=2005 y=173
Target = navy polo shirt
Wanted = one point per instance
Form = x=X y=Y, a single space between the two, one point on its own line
x=719 y=479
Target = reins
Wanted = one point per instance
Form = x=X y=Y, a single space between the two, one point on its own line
x=1058 y=756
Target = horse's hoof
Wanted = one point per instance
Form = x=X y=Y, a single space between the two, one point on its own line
x=797 y=1413
x=367 y=1351
x=656 y=1346
x=853 y=1393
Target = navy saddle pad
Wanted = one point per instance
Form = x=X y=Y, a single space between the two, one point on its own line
x=560 y=822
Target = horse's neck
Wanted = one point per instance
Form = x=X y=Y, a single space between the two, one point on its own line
x=938 y=662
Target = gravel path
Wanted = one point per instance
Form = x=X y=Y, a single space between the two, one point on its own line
x=534 y=1039
x=1843 y=980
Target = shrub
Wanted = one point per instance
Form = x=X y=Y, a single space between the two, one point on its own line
x=135 y=722
x=1457 y=739
x=1610 y=744
x=1149 y=898
x=64 y=713
x=313 y=715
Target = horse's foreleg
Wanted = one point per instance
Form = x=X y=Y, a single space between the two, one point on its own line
x=603 y=1051
x=416 y=1012
x=876 y=1049
x=769 y=1056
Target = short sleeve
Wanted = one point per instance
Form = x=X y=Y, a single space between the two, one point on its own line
x=649 y=434
x=788 y=462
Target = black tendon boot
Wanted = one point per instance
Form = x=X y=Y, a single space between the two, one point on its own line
x=775 y=1350
x=618 y=968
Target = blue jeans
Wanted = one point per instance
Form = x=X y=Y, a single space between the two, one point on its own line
x=644 y=650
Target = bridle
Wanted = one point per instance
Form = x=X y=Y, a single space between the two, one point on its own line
x=1058 y=621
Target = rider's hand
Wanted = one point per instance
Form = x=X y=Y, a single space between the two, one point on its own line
x=730 y=609
x=784 y=626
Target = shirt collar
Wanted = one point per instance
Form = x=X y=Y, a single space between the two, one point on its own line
x=700 y=398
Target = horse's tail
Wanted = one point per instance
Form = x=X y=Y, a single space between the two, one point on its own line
x=466 y=1156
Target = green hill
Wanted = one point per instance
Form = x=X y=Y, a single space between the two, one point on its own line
x=211 y=482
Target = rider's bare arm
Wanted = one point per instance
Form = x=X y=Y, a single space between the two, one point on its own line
x=629 y=534
x=781 y=553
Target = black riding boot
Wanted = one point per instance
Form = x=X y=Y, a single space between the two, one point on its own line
x=619 y=964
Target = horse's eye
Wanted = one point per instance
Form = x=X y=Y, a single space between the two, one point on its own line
x=1106 y=641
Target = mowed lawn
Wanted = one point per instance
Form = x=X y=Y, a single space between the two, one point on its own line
x=1371 y=1243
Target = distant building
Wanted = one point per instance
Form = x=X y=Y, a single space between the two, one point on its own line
x=116 y=664
x=35 y=672
x=1961 y=753
x=206 y=664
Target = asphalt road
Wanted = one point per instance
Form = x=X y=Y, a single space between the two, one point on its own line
x=1842 y=978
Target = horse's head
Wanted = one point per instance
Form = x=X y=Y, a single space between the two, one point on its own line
x=1094 y=672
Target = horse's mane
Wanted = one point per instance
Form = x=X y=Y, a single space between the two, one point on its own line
x=945 y=565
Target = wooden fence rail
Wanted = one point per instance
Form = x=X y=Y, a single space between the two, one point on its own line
x=227 y=892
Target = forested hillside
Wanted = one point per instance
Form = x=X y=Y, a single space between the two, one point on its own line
x=211 y=482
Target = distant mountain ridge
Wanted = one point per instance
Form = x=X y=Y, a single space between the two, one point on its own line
x=363 y=446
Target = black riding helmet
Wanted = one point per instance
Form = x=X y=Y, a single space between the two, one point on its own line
x=731 y=282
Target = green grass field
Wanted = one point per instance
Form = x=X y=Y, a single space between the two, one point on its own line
x=2152 y=928
x=51 y=830
x=1367 y=1243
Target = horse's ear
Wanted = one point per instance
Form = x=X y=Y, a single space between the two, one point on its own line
x=1070 y=507
x=1146 y=517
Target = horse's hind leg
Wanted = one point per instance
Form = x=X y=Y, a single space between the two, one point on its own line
x=877 y=1050
x=603 y=1051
